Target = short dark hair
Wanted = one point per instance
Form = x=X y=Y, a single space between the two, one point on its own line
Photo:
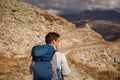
x=51 y=36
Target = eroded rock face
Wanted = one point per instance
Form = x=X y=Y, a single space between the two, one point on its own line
x=22 y=26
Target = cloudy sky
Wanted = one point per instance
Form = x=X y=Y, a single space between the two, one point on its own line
x=75 y=6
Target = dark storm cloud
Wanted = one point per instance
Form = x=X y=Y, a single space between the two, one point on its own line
x=68 y=6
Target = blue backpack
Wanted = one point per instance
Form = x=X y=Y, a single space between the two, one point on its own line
x=42 y=57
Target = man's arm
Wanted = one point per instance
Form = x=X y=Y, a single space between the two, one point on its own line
x=64 y=66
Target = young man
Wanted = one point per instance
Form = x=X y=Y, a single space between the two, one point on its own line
x=59 y=60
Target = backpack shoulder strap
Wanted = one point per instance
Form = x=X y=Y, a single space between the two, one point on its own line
x=54 y=66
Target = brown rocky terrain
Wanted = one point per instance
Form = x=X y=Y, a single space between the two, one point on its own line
x=22 y=26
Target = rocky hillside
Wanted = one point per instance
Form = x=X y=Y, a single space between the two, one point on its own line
x=22 y=26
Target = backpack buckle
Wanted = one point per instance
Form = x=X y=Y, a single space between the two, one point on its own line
x=41 y=59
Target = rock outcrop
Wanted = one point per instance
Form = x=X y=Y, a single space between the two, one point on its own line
x=22 y=26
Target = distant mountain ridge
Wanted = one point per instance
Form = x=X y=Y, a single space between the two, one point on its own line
x=109 y=31
x=109 y=15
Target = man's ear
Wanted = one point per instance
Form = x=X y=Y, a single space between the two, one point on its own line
x=53 y=42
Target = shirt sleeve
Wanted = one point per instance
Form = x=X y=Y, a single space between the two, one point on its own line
x=64 y=66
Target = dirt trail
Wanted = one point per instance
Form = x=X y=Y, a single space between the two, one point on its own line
x=85 y=47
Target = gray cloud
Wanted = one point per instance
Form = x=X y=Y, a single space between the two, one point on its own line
x=67 y=6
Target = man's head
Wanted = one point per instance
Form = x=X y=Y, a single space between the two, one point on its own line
x=52 y=38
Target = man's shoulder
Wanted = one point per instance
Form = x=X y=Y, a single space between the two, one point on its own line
x=60 y=54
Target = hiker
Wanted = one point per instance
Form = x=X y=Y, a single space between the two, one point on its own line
x=57 y=60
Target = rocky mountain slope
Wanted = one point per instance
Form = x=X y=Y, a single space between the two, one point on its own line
x=22 y=26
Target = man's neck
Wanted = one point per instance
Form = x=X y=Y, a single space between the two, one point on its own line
x=54 y=47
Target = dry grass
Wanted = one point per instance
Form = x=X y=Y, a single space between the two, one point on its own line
x=10 y=65
x=108 y=74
